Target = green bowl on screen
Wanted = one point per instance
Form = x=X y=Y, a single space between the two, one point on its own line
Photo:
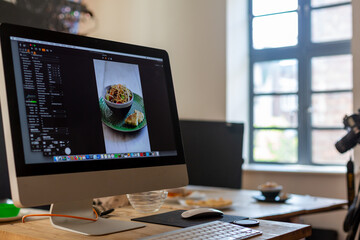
x=8 y=210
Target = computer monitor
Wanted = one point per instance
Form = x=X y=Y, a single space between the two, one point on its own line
x=86 y=118
x=213 y=152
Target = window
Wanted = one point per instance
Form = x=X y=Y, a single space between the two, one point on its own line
x=300 y=80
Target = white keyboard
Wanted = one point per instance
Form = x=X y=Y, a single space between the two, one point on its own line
x=211 y=230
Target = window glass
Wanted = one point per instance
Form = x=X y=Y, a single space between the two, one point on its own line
x=275 y=146
x=262 y=7
x=319 y=3
x=275 y=111
x=329 y=109
x=331 y=24
x=332 y=73
x=323 y=147
x=279 y=30
x=296 y=63
x=276 y=76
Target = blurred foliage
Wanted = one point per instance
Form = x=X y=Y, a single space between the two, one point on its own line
x=57 y=15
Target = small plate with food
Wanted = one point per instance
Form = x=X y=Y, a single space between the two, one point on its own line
x=185 y=195
x=126 y=119
x=217 y=203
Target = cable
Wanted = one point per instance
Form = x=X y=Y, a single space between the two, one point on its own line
x=61 y=215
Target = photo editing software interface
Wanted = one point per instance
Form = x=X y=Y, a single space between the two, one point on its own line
x=84 y=104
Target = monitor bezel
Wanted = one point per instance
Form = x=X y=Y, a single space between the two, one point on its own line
x=23 y=169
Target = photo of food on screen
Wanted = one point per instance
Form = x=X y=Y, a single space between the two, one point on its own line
x=122 y=107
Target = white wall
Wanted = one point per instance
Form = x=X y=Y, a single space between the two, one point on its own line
x=355 y=48
x=194 y=33
x=237 y=66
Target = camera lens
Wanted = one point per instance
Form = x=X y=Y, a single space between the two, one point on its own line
x=347 y=142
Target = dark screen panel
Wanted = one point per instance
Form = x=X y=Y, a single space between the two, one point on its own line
x=213 y=152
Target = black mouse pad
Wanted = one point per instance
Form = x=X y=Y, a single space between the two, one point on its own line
x=174 y=219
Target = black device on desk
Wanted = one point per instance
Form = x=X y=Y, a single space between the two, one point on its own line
x=213 y=152
x=350 y=140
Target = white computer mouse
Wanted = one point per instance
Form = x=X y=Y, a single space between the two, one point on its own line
x=201 y=212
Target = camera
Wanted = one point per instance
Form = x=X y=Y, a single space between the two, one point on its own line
x=352 y=124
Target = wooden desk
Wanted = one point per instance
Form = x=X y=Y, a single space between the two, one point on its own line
x=245 y=205
x=42 y=229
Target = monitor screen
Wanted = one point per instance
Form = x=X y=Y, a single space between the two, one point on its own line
x=88 y=104
x=81 y=113
x=77 y=103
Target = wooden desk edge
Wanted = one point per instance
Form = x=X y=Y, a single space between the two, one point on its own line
x=42 y=229
x=327 y=209
x=289 y=216
x=302 y=230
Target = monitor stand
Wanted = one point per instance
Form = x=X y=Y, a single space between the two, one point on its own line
x=84 y=209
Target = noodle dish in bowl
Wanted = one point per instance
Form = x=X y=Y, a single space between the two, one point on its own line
x=118 y=96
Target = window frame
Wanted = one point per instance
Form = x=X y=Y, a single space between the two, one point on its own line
x=304 y=51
